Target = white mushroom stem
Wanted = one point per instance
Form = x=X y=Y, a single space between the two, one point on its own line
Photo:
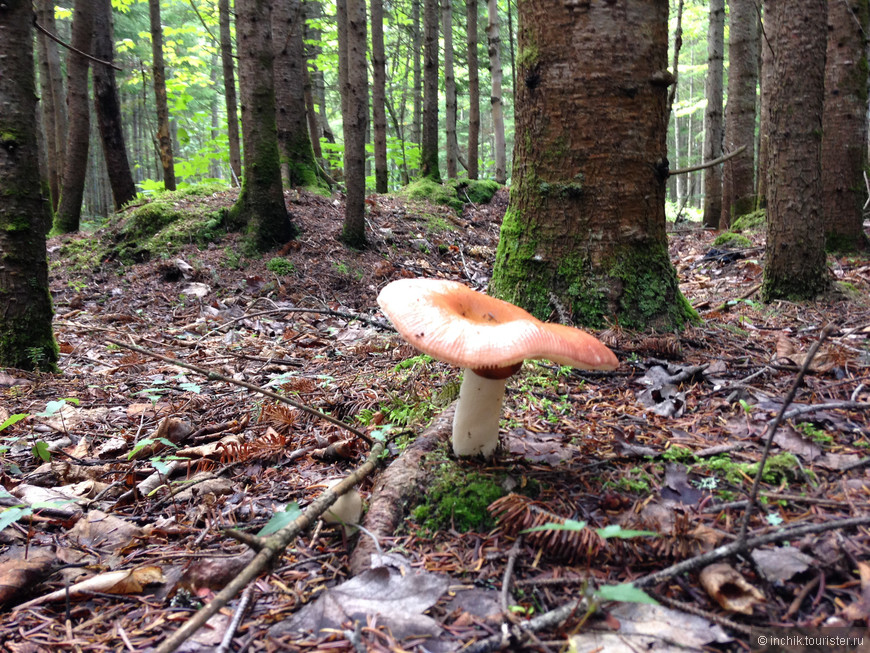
x=475 y=424
x=346 y=510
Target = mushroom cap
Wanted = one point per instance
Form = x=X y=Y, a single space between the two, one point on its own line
x=463 y=327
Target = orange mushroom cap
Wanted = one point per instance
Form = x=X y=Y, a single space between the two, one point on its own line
x=461 y=326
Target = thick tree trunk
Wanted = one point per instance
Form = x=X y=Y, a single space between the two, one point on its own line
x=713 y=113
x=379 y=96
x=298 y=166
x=449 y=89
x=738 y=182
x=341 y=31
x=495 y=98
x=107 y=106
x=353 y=230
x=584 y=233
x=795 y=254
x=844 y=149
x=26 y=338
x=69 y=211
x=230 y=91
x=53 y=101
x=158 y=72
x=473 y=91
x=261 y=202
x=429 y=146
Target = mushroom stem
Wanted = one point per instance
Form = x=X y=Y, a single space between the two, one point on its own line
x=475 y=424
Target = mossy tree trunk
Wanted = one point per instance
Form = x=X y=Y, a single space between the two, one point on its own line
x=379 y=96
x=158 y=72
x=69 y=210
x=584 y=234
x=261 y=202
x=795 y=263
x=26 y=338
x=298 y=165
x=844 y=147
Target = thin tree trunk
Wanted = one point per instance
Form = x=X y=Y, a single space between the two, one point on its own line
x=417 y=48
x=713 y=113
x=76 y=161
x=473 y=90
x=379 y=92
x=158 y=72
x=230 y=91
x=53 y=101
x=107 y=106
x=766 y=84
x=353 y=230
x=495 y=98
x=341 y=29
x=429 y=146
x=795 y=266
x=449 y=88
x=26 y=338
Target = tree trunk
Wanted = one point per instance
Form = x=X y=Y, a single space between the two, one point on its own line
x=429 y=146
x=584 y=233
x=107 y=106
x=766 y=84
x=158 y=72
x=230 y=91
x=353 y=230
x=341 y=31
x=449 y=89
x=738 y=182
x=294 y=142
x=473 y=91
x=844 y=149
x=261 y=201
x=316 y=103
x=713 y=113
x=53 y=101
x=379 y=96
x=26 y=338
x=417 y=119
x=495 y=98
x=69 y=211
x=795 y=254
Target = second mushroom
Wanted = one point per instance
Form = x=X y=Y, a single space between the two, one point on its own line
x=487 y=337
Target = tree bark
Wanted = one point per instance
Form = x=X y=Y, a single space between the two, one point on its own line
x=298 y=166
x=158 y=72
x=766 y=84
x=713 y=113
x=26 y=338
x=844 y=149
x=69 y=211
x=379 y=96
x=53 y=101
x=738 y=182
x=230 y=91
x=429 y=146
x=449 y=89
x=353 y=230
x=795 y=266
x=473 y=91
x=495 y=98
x=584 y=233
x=417 y=47
x=261 y=201
x=107 y=106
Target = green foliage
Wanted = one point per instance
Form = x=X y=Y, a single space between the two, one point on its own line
x=455 y=193
x=281 y=266
x=750 y=221
x=729 y=239
x=281 y=519
x=458 y=498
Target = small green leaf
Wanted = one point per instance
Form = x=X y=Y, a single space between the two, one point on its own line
x=569 y=525
x=281 y=519
x=51 y=408
x=160 y=466
x=12 y=515
x=13 y=419
x=626 y=593
x=615 y=530
x=40 y=450
x=139 y=446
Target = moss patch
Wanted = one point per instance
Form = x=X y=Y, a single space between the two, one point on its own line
x=458 y=499
x=750 y=221
x=455 y=193
x=729 y=239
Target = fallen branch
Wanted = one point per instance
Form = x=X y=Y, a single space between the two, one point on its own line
x=707 y=164
x=215 y=376
x=270 y=548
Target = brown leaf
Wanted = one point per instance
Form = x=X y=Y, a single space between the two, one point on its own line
x=21 y=574
x=860 y=609
x=124 y=581
x=729 y=589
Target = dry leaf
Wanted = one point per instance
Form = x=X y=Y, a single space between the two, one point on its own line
x=99 y=530
x=860 y=609
x=729 y=589
x=22 y=574
x=125 y=581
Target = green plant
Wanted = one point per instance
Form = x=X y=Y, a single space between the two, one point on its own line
x=814 y=433
x=281 y=266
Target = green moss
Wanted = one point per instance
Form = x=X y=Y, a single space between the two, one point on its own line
x=750 y=222
x=458 y=498
x=455 y=193
x=842 y=243
x=281 y=266
x=729 y=239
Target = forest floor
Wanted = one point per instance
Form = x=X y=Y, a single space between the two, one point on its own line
x=127 y=468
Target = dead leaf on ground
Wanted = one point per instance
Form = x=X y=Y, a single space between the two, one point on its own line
x=729 y=589
x=860 y=609
x=124 y=581
x=101 y=531
x=781 y=563
x=19 y=574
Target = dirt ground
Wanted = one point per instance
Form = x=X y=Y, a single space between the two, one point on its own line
x=126 y=468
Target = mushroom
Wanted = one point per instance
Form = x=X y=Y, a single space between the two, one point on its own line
x=346 y=510
x=489 y=338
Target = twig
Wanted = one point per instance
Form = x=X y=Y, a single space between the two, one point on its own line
x=509 y=572
x=233 y=628
x=270 y=549
x=704 y=614
x=773 y=426
x=215 y=376
x=72 y=49
x=707 y=164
